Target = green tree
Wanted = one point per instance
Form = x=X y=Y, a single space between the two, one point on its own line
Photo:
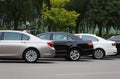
x=15 y=13
x=104 y=16
x=81 y=7
x=58 y=17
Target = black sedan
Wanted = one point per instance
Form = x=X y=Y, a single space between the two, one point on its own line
x=116 y=38
x=67 y=45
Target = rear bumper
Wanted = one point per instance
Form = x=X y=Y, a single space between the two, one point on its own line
x=48 y=53
x=87 y=52
x=112 y=51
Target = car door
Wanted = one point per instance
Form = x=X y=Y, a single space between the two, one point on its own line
x=12 y=44
x=62 y=42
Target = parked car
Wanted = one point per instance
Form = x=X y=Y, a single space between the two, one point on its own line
x=116 y=38
x=18 y=44
x=67 y=45
x=102 y=47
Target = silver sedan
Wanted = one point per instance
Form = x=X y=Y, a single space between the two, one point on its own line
x=18 y=44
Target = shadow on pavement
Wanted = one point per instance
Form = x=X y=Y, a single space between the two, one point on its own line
x=105 y=58
x=54 y=60
x=64 y=60
x=22 y=61
x=112 y=57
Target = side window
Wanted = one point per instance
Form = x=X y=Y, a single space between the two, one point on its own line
x=0 y=35
x=44 y=36
x=61 y=37
x=89 y=38
x=25 y=37
x=12 y=36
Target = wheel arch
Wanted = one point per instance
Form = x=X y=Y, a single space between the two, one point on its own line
x=29 y=49
x=75 y=48
x=102 y=50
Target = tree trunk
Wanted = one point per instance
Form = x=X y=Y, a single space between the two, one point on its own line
x=77 y=25
x=48 y=4
x=107 y=30
x=49 y=29
x=100 y=29
x=15 y=24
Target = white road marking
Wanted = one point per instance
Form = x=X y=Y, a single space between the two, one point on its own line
x=91 y=73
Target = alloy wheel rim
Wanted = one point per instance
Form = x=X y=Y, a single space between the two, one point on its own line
x=98 y=54
x=74 y=55
x=31 y=56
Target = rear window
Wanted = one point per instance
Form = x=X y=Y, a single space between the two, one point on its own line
x=59 y=36
x=25 y=37
x=89 y=38
x=44 y=36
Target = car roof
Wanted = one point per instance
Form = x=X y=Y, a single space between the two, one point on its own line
x=14 y=31
x=73 y=36
x=11 y=31
x=55 y=32
x=100 y=38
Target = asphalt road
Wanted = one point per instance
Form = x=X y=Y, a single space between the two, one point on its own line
x=86 y=68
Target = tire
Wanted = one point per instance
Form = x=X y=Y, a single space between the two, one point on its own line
x=98 y=54
x=74 y=55
x=30 y=55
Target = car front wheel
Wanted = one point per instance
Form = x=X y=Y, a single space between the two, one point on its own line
x=30 y=55
x=73 y=55
x=99 y=54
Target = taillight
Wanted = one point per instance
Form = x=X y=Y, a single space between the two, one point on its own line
x=90 y=44
x=50 y=44
x=113 y=44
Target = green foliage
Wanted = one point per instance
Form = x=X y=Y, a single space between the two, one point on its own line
x=3 y=28
x=102 y=14
x=105 y=14
x=16 y=11
x=59 y=18
x=61 y=15
x=80 y=6
x=59 y=3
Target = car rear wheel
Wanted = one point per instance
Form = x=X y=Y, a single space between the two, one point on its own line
x=99 y=54
x=30 y=55
x=73 y=55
